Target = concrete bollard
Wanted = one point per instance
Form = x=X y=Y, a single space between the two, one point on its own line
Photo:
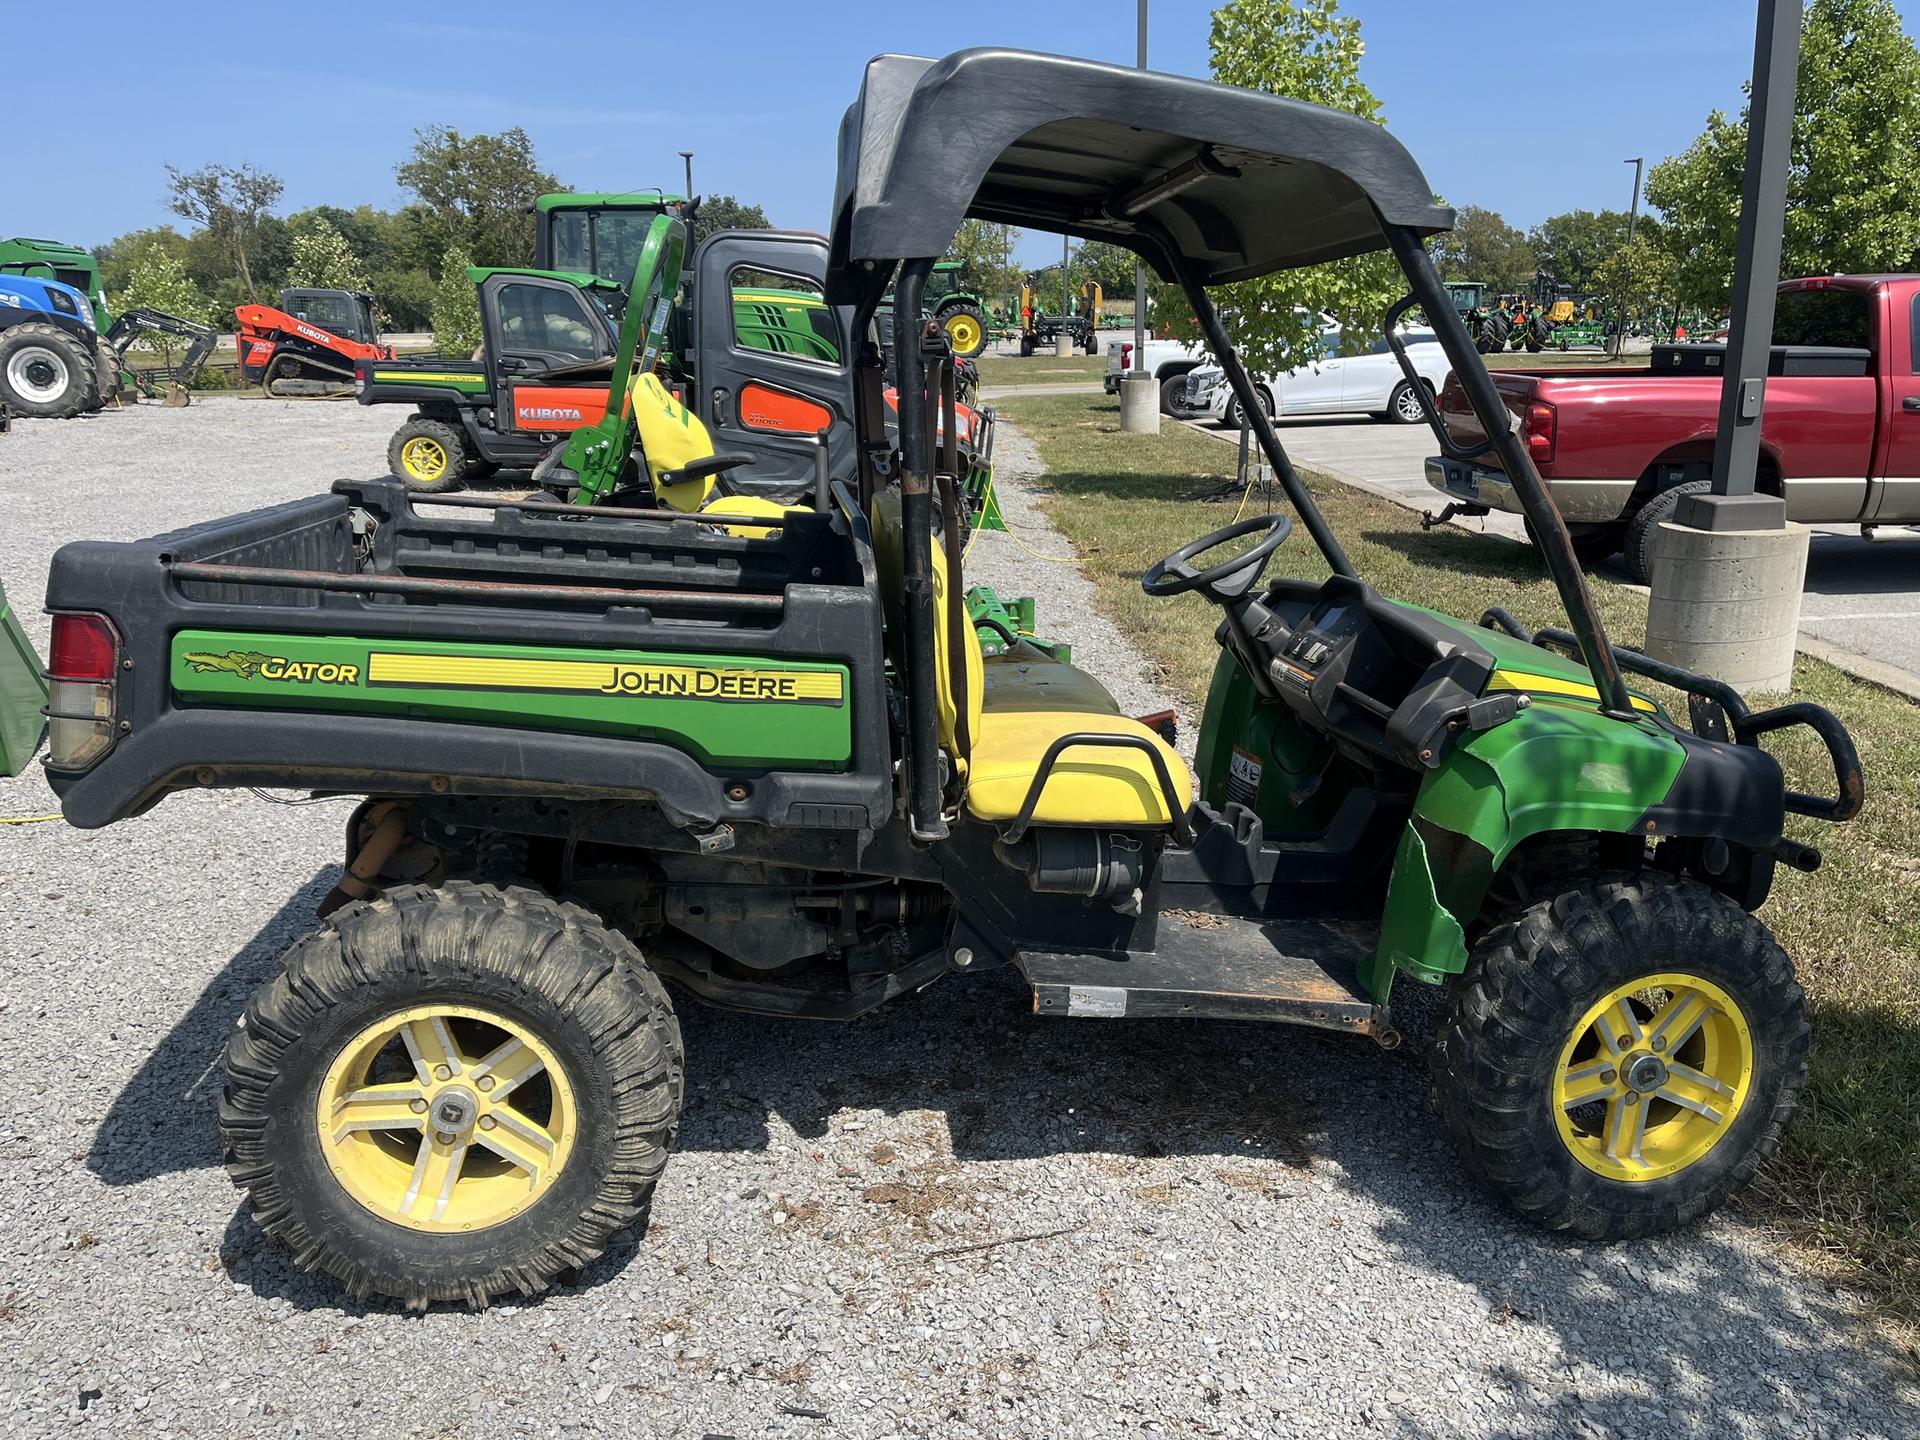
x=1727 y=602
x=1140 y=405
x=1063 y=346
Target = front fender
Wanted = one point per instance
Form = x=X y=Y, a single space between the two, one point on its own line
x=1557 y=766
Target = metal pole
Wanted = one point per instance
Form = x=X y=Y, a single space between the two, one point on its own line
x=1733 y=505
x=1619 y=346
x=1140 y=266
x=1638 y=163
x=687 y=156
x=1066 y=308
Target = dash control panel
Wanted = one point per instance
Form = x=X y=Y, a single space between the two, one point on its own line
x=1320 y=637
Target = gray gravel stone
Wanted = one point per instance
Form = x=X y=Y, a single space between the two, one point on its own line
x=1272 y=1238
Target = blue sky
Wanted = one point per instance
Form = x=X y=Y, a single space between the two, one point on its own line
x=610 y=92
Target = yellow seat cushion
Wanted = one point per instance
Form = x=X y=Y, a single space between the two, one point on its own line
x=1089 y=785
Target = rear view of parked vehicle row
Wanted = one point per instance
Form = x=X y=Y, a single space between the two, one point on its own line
x=1840 y=435
x=761 y=755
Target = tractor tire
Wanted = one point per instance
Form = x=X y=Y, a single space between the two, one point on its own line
x=1234 y=412
x=45 y=372
x=1026 y=345
x=1591 y=543
x=1645 y=526
x=1173 y=398
x=966 y=327
x=422 y=998
x=106 y=376
x=1619 y=1058
x=429 y=455
x=1403 y=406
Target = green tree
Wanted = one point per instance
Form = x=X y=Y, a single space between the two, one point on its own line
x=482 y=187
x=119 y=255
x=1571 y=247
x=322 y=259
x=723 y=212
x=230 y=202
x=1111 y=265
x=986 y=250
x=1635 y=279
x=1855 y=161
x=1307 y=50
x=157 y=279
x=1483 y=246
x=456 y=306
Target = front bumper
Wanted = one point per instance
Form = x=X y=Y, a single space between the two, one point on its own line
x=1580 y=502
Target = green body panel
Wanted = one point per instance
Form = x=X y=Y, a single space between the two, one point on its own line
x=984 y=603
x=479 y=274
x=714 y=707
x=23 y=693
x=52 y=260
x=1558 y=766
x=784 y=322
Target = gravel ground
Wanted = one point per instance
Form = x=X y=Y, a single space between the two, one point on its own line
x=1262 y=1232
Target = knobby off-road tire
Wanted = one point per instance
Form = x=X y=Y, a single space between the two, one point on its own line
x=1645 y=526
x=429 y=455
x=1514 y=1027
x=598 y=1044
x=966 y=327
x=45 y=372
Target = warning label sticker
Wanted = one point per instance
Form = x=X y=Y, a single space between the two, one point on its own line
x=1243 y=778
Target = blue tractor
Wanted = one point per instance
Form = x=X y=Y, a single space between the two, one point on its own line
x=49 y=349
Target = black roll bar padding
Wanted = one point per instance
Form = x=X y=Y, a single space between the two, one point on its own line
x=925 y=820
x=1748 y=727
x=1429 y=408
x=1250 y=407
x=1176 y=806
x=949 y=417
x=1549 y=530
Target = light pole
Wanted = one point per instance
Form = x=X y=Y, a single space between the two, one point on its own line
x=1063 y=343
x=687 y=157
x=1633 y=215
x=1139 y=396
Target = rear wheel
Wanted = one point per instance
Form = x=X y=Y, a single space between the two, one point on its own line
x=1591 y=543
x=452 y=1094
x=1235 y=413
x=1403 y=406
x=1026 y=344
x=1620 y=1058
x=1644 y=528
x=966 y=327
x=45 y=372
x=429 y=455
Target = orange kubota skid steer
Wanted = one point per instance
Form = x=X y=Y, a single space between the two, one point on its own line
x=307 y=347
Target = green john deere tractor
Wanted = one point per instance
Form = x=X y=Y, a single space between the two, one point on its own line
x=960 y=310
x=766 y=762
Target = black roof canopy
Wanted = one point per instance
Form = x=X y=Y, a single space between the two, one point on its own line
x=1240 y=183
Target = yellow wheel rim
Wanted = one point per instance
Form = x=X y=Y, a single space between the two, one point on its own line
x=1653 y=1077
x=446 y=1118
x=964 y=333
x=424 y=459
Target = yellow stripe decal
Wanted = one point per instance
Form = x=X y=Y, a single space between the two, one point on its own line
x=402 y=376
x=1554 y=685
x=646 y=682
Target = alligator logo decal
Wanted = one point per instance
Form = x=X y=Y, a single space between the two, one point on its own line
x=251 y=664
x=243 y=663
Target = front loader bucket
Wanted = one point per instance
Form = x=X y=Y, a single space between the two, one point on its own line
x=23 y=693
x=178 y=397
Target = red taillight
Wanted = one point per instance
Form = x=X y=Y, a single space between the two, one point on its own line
x=1126 y=357
x=84 y=647
x=1539 y=430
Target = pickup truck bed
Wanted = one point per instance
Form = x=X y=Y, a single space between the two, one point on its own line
x=474 y=647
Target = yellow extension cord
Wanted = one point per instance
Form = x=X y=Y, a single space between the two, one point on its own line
x=27 y=819
x=986 y=501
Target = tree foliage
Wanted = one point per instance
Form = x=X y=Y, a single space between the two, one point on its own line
x=482 y=188
x=1483 y=246
x=229 y=202
x=321 y=259
x=1636 y=278
x=1573 y=246
x=1307 y=50
x=724 y=212
x=1111 y=265
x=1855 y=161
x=157 y=279
x=986 y=250
x=456 y=306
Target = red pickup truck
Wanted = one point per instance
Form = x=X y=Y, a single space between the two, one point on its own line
x=1840 y=437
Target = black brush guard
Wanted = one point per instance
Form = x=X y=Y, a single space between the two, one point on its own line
x=1717 y=711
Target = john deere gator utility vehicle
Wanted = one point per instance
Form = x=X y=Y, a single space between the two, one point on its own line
x=605 y=752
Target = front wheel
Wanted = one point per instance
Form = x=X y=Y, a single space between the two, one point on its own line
x=1235 y=415
x=45 y=372
x=1403 y=406
x=453 y=1093
x=1620 y=1058
x=428 y=455
x=1173 y=398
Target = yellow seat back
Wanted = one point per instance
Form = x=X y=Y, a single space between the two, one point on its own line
x=671 y=437
x=889 y=552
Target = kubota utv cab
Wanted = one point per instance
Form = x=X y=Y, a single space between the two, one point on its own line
x=604 y=752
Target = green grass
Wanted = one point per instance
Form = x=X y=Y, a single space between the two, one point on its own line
x=1846 y=1183
x=1040 y=369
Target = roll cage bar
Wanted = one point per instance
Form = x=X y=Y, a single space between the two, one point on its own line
x=1240 y=184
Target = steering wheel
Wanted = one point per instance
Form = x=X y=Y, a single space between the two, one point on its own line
x=1176 y=576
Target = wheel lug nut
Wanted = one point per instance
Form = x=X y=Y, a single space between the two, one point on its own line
x=485 y=1082
x=487 y=1122
x=1633 y=1097
x=443 y=1072
x=419 y=1107
x=444 y=1138
x=1607 y=1077
x=1659 y=1042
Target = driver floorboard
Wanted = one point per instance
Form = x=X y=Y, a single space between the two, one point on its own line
x=1302 y=972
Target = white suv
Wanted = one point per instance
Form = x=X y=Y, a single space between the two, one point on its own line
x=1370 y=384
